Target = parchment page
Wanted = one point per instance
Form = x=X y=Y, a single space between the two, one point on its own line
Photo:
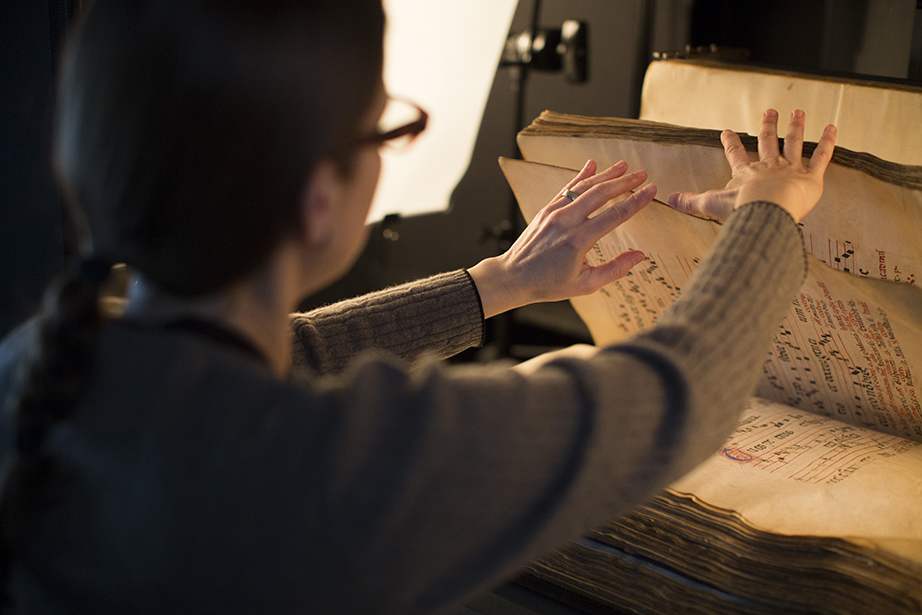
x=672 y=242
x=793 y=472
x=849 y=347
x=863 y=224
x=720 y=96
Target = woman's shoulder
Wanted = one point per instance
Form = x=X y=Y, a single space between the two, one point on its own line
x=181 y=356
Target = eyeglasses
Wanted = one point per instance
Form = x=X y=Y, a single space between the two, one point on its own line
x=399 y=125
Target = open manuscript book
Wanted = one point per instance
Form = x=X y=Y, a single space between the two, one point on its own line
x=814 y=504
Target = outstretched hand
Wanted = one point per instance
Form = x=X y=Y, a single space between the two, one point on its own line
x=781 y=179
x=548 y=260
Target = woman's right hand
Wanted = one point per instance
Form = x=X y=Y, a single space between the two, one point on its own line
x=781 y=179
x=548 y=260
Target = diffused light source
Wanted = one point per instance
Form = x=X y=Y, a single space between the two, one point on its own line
x=441 y=55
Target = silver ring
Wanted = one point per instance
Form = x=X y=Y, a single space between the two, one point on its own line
x=570 y=195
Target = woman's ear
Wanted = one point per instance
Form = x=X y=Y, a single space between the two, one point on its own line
x=319 y=204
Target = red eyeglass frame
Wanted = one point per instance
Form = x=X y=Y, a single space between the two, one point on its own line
x=413 y=129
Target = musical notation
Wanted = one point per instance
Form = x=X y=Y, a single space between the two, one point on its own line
x=833 y=354
x=841 y=358
x=844 y=255
x=647 y=290
x=806 y=447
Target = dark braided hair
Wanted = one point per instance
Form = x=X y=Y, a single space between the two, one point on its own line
x=49 y=382
x=186 y=130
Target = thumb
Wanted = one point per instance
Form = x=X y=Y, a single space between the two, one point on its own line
x=711 y=205
x=612 y=270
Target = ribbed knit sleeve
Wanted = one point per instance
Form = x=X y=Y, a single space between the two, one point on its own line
x=438 y=316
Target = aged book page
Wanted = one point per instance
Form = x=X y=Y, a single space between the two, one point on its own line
x=796 y=473
x=720 y=95
x=850 y=346
x=844 y=230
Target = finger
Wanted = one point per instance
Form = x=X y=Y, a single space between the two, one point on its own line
x=736 y=154
x=618 y=214
x=794 y=139
x=584 y=184
x=587 y=171
x=768 y=135
x=824 y=149
x=609 y=271
x=600 y=194
x=712 y=205
x=560 y=200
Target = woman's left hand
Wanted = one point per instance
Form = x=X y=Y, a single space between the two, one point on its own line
x=548 y=260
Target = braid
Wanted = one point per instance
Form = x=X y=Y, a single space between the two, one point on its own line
x=50 y=381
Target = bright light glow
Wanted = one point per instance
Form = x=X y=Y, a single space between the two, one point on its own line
x=442 y=55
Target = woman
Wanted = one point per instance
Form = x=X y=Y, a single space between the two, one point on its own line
x=206 y=452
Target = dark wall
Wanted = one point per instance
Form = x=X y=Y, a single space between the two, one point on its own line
x=31 y=243
x=866 y=37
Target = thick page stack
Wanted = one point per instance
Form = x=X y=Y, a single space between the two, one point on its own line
x=819 y=487
x=676 y=554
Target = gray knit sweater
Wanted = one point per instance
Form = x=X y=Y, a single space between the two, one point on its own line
x=192 y=481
